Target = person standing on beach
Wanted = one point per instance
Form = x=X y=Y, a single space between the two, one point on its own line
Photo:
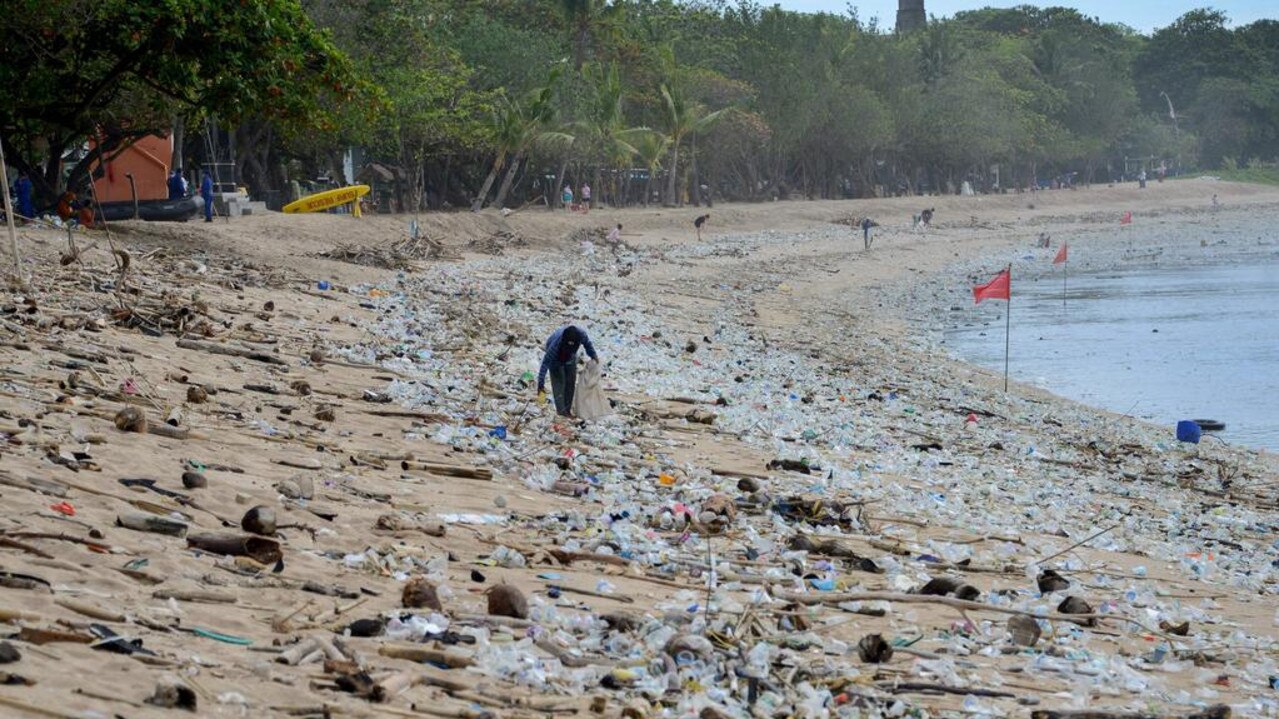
x=701 y=220
x=177 y=186
x=566 y=197
x=206 y=193
x=867 y=223
x=559 y=360
x=586 y=197
x=23 y=189
x=1141 y=178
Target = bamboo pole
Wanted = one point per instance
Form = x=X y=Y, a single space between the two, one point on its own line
x=8 y=213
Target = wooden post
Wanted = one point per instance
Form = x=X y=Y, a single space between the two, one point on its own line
x=8 y=213
x=1008 y=324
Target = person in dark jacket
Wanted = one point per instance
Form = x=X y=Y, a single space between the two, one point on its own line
x=867 y=224
x=23 y=189
x=701 y=220
x=560 y=361
x=177 y=188
x=206 y=192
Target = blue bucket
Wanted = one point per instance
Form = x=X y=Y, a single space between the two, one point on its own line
x=1189 y=431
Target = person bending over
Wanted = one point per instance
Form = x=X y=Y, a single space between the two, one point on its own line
x=560 y=362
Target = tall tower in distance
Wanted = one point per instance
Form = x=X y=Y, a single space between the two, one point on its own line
x=910 y=15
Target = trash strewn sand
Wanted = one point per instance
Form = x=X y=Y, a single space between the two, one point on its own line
x=789 y=464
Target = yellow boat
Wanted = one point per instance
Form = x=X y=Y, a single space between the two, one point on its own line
x=322 y=201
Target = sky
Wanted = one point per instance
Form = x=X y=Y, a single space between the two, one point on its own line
x=1144 y=15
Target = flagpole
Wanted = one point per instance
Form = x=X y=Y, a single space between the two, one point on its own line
x=1008 y=323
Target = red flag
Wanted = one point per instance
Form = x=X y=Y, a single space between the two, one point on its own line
x=999 y=288
x=1126 y=219
x=1061 y=255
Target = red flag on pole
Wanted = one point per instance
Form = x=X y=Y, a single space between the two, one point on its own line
x=999 y=288
x=1061 y=255
x=1126 y=219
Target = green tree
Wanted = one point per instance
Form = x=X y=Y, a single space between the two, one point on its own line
x=650 y=148
x=117 y=70
x=602 y=130
x=681 y=118
x=586 y=19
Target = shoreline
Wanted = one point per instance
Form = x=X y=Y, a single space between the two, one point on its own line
x=1185 y=239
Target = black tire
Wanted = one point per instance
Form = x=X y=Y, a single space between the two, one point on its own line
x=1209 y=425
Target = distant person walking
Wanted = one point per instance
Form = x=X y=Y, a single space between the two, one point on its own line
x=206 y=193
x=1141 y=179
x=177 y=186
x=559 y=360
x=566 y=197
x=867 y=223
x=701 y=220
x=586 y=197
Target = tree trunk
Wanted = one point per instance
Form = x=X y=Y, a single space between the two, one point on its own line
x=179 y=139
x=554 y=201
x=696 y=193
x=506 y=181
x=671 y=198
x=478 y=203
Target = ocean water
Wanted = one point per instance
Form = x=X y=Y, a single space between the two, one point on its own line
x=1160 y=343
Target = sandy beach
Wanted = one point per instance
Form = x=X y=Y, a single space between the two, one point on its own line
x=775 y=363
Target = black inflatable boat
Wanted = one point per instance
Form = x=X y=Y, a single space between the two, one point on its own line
x=153 y=210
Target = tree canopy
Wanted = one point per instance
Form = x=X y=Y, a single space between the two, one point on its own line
x=751 y=101
x=113 y=70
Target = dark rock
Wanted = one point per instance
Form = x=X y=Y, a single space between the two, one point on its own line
x=874 y=650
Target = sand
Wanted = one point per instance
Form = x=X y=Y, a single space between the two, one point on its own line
x=780 y=276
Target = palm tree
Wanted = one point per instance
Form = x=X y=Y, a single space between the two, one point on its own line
x=682 y=118
x=507 y=128
x=538 y=115
x=605 y=137
x=517 y=127
x=650 y=148
x=585 y=18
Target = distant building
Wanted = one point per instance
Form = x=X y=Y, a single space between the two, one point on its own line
x=910 y=15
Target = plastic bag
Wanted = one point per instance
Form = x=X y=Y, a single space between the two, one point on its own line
x=588 y=398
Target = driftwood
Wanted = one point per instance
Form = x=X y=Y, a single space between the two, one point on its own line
x=219 y=349
x=841 y=597
x=88 y=610
x=1217 y=711
x=904 y=687
x=195 y=595
x=448 y=470
x=423 y=653
x=406 y=414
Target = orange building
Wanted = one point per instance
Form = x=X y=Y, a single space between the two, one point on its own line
x=148 y=161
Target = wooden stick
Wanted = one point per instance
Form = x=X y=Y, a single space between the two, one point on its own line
x=219 y=349
x=15 y=544
x=841 y=597
x=1217 y=711
x=899 y=687
x=8 y=213
x=89 y=610
x=23 y=706
x=449 y=470
x=1081 y=542
x=195 y=595
x=422 y=653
